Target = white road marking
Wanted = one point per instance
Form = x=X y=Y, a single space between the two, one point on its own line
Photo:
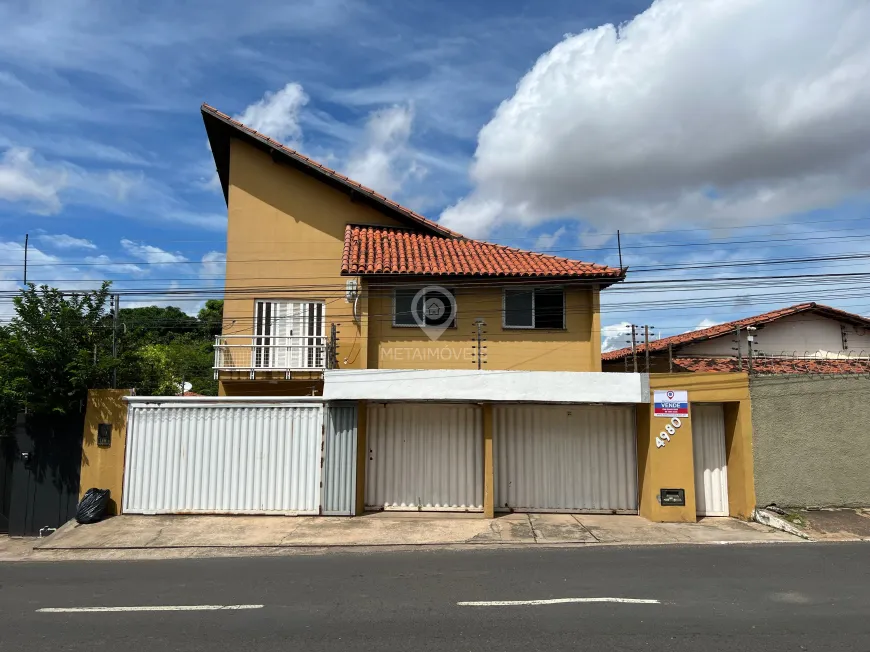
x=513 y=603
x=193 y=607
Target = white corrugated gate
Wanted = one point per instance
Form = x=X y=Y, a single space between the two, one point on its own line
x=711 y=469
x=232 y=458
x=571 y=458
x=424 y=456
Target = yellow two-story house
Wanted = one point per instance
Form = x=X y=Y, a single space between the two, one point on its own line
x=323 y=273
x=473 y=370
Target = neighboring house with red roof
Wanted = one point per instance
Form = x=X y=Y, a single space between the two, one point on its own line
x=323 y=272
x=804 y=338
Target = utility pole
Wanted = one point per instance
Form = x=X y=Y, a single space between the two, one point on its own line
x=739 y=349
x=634 y=346
x=750 y=338
x=619 y=247
x=26 y=243
x=646 y=347
x=115 y=309
x=670 y=358
x=480 y=323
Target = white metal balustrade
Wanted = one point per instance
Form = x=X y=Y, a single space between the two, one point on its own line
x=253 y=353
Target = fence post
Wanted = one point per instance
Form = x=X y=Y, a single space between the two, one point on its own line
x=646 y=347
x=739 y=350
x=634 y=346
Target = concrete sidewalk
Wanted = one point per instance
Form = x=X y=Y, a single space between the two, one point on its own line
x=252 y=533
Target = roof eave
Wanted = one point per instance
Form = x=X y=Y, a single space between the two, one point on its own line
x=220 y=131
x=586 y=279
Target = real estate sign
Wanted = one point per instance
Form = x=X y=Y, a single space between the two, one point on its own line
x=671 y=403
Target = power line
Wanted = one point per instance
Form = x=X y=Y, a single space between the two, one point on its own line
x=845 y=256
x=780 y=224
x=669 y=245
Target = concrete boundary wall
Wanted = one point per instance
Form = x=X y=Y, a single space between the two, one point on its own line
x=812 y=440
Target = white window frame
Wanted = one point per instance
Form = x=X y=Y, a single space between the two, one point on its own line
x=255 y=337
x=507 y=288
x=415 y=324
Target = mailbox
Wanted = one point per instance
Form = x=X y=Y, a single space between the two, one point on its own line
x=672 y=497
x=104 y=434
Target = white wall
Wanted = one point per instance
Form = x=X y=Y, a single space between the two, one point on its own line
x=800 y=333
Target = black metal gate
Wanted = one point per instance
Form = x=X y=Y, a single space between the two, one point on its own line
x=8 y=451
x=45 y=473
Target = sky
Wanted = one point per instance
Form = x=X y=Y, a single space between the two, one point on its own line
x=727 y=140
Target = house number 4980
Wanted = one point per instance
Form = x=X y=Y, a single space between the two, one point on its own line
x=670 y=429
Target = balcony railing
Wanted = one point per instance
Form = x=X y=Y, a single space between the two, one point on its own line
x=257 y=353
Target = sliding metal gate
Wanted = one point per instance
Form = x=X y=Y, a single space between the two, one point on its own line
x=425 y=456
x=565 y=458
x=223 y=458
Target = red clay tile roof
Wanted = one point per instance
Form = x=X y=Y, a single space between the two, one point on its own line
x=770 y=366
x=381 y=251
x=722 y=329
x=320 y=170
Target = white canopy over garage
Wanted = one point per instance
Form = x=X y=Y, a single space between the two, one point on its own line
x=472 y=385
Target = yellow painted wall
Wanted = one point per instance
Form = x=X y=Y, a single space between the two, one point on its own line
x=310 y=386
x=285 y=237
x=103 y=467
x=577 y=348
x=738 y=448
x=672 y=466
x=362 y=455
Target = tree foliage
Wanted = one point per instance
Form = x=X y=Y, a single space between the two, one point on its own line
x=58 y=345
x=56 y=348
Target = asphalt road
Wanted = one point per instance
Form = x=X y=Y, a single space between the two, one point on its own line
x=764 y=597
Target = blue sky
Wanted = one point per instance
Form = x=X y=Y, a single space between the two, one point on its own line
x=710 y=132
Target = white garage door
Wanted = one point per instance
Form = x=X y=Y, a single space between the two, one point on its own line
x=223 y=458
x=579 y=458
x=424 y=456
x=711 y=470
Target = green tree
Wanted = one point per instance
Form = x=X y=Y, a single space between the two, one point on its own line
x=8 y=399
x=153 y=324
x=55 y=348
x=163 y=369
x=59 y=345
x=211 y=317
x=160 y=348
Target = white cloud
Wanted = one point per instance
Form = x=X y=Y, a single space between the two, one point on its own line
x=473 y=216
x=23 y=180
x=695 y=111
x=64 y=241
x=104 y=264
x=210 y=221
x=42 y=269
x=384 y=161
x=547 y=240
x=214 y=265
x=705 y=323
x=151 y=254
x=44 y=187
x=277 y=114
x=614 y=336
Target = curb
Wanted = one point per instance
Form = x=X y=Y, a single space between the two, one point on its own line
x=772 y=520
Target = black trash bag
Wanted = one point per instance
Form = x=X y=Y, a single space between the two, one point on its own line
x=92 y=508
